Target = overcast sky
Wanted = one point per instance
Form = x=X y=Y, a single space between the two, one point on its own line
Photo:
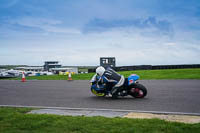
x=79 y=32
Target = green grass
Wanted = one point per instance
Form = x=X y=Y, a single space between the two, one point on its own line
x=144 y=74
x=15 y=120
x=87 y=76
x=166 y=74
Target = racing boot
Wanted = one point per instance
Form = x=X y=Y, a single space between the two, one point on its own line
x=114 y=92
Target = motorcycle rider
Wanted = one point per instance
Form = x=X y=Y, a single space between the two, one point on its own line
x=111 y=78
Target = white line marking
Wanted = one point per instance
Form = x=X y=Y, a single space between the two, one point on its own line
x=96 y=109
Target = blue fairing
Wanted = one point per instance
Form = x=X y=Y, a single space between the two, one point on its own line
x=132 y=78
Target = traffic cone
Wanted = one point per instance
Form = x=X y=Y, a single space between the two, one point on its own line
x=69 y=76
x=23 y=77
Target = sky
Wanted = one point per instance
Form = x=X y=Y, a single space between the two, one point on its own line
x=79 y=32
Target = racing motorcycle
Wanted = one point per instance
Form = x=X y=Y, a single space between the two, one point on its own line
x=130 y=87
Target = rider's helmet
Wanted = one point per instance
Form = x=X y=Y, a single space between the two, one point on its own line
x=100 y=70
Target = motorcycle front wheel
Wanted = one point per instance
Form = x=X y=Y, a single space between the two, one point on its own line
x=138 y=90
x=102 y=94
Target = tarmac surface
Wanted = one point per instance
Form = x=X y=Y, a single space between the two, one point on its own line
x=165 y=96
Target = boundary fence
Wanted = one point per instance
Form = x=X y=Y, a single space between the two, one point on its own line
x=151 y=67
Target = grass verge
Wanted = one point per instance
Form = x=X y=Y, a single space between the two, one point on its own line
x=16 y=120
x=144 y=74
x=166 y=74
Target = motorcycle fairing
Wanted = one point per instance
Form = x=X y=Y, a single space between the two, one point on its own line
x=132 y=78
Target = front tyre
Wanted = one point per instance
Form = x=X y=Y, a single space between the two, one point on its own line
x=99 y=94
x=138 y=90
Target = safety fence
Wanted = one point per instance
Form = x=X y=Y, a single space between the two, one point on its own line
x=151 y=67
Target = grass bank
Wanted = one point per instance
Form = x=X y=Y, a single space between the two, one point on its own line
x=144 y=74
x=16 y=120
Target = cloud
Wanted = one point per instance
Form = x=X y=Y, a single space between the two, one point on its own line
x=45 y=24
x=102 y=25
x=79 y=32
x=133 y=49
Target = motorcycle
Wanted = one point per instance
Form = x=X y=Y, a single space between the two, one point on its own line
x=130 y=87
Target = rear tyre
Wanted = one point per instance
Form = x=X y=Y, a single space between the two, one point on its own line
x=138 y=90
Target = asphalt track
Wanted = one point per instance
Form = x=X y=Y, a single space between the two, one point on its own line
x=163 y=95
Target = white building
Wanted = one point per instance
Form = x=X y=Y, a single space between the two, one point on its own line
x=34 y=69
x=71 y=69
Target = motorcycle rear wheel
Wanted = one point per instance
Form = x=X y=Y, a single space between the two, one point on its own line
x=138 y=90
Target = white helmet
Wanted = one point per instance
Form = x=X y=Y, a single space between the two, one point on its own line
x=100 y=70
